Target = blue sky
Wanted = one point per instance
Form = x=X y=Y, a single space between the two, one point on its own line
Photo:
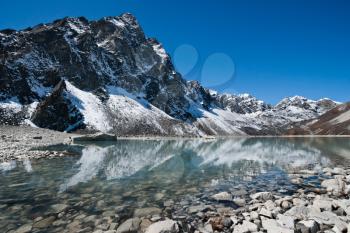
x=270 y=49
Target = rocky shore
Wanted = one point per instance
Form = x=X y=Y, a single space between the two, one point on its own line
x=313 y=208
x=319 y=204
x=23 y=142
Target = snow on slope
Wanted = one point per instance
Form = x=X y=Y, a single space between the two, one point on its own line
x=91 y=107
x=125 y=112
x=125 y=109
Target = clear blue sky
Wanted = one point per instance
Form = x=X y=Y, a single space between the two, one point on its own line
x=279 y=48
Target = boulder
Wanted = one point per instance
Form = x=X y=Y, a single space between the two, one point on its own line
x=322 y=203
x=94 y=138
x=44 y=223
x=166 y=226
x=207 y=228
x=129 y=226
x=262 y=196
x=148 y=211
x=335 y=186
x=286 y=221
x=299 y=202
x=286 y=204
x=239 y=201
x=245 y=227
x=199 y=208
x=338 y=171
x=272 y=226
x=58 y=208
x=344 y=204
x=266 y=213
x=223 y=196
x=24 y=228
x=298 y=212
x=307 y=226
x=326 y=218
x=270 y=205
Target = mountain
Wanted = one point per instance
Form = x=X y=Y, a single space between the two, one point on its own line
x=333 y=122
x=106 y=75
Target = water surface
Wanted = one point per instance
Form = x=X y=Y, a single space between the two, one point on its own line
x=129 y=174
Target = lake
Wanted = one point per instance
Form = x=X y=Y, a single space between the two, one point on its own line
x=106 y=183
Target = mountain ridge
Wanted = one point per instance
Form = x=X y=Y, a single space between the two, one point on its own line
x=106 y=75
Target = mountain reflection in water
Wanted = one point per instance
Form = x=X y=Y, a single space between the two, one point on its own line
x=177 y=159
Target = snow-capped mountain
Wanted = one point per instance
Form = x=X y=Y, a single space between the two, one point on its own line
x=106 y=75
x=333 y=122
x=242 y=103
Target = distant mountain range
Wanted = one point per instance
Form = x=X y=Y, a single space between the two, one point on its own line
x=107 y=76
x=333 y=122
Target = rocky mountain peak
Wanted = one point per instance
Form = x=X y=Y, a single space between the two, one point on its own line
x=242 y=103
x=106 y=75
x=319 y=106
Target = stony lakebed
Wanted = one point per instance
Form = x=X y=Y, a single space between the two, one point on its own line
x=183 y=185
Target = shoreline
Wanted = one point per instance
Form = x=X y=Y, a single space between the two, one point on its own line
x=20 y=142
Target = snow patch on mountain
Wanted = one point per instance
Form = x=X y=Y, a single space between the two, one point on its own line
x=91 y=107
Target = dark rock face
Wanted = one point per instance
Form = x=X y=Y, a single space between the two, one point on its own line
x=91 y=55
x=57 y=112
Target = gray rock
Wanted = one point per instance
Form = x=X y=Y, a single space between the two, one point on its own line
x=90 y=218
x=94 y=138
x=166 y=226
x=129 y=226
x=286 y=221
x=44 y=223
x=199 y=208
x=335 y=186
x=322 y=203
x=206 y=229
x=307 y=226
x=297 y=181
x=239 y=193
x=24 y=229
x=245 y=227
x=148 y=211
x=272 y=226
x=344 y=204
x=254 y=215
x=109 y=213
x=340 y=227
x=145 y=223
x=262 y=196
x=266 y=213
x=168 y=203
x=227 y=222
x=239 y=201
x=338 y=171
x=298 y=212
x=299 y=202
x=223 y=196
x=270 y=205
x=286 y=204
x=326 y=217
x=58 y=208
